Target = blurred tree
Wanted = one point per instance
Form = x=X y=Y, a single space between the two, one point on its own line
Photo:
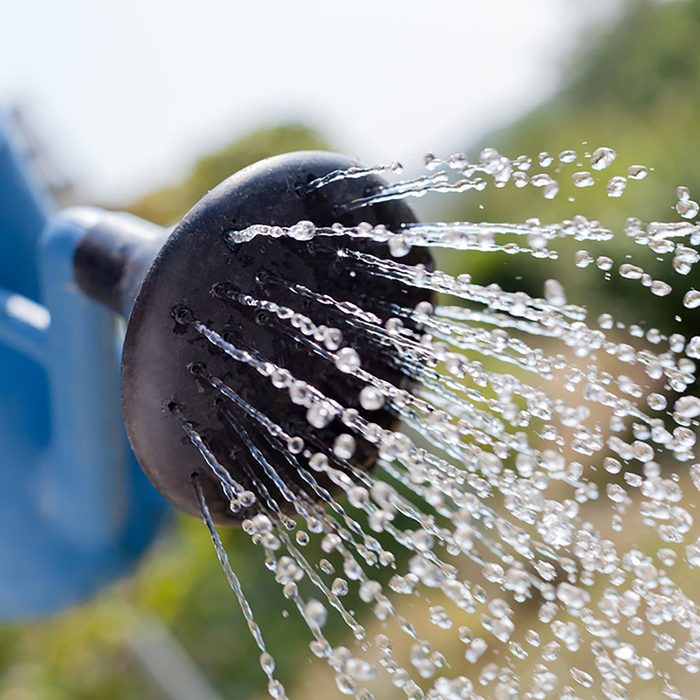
x=635 y=86
x=168 y=205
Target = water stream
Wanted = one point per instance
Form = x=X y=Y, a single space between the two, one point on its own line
x=540 y=491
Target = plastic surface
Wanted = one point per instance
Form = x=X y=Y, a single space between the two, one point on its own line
x=75 y=510
x=113 y=257
x=160 y=349
x=24 y=210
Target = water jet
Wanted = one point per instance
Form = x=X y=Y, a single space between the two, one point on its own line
x=294 y=363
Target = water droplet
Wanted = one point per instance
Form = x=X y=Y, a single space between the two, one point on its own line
x=267 y=662
x=582 y=258
x=554 y=293
x=693 y=348
x=303 y=231
x=431 y=161
x=616 y=186
x=247 y=499
x=371 y=399
x=660 y=288
x=295 y=445
x=320 y=414
x=582 y=179
x=691 y=299
x=637 y=172
x=687 y=208
x=602 y=158
x=581 y=677
x=399 y=245
x=572 y=596
x=567 y=156
x=624 y=652
x=344 y=446
x=316 y=613
x=550 y=190
x=603 y=262
x=630 y=272
x=347 y=360
x=439 y=617
x=687 y=407
x=475 y=650
x=656 y=402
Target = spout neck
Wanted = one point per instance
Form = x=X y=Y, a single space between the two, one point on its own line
x=113 y=258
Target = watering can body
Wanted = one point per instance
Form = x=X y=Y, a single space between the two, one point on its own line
x=76 y=511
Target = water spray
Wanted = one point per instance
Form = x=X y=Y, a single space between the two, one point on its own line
x=295 y=364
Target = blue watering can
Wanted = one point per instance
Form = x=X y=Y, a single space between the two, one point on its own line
x=76 y=511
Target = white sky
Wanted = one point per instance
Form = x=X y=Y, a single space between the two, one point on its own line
x=128 y=92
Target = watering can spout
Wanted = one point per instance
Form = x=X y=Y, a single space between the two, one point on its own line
x=113 y=257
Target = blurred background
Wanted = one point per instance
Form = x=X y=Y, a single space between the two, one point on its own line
x=144 y=106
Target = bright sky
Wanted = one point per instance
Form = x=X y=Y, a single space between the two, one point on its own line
x=128 y=92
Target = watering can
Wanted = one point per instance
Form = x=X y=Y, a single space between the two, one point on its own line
x=76 y=511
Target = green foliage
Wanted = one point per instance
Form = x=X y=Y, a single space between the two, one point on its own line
x=634 y=87
x=170 y=204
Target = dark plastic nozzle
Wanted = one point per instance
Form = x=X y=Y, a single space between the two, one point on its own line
x=168 y=365
x=113 y=258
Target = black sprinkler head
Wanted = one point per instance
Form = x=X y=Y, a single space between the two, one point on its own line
x=168 y=365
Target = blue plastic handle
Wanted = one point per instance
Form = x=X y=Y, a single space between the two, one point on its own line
x=76 y=511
